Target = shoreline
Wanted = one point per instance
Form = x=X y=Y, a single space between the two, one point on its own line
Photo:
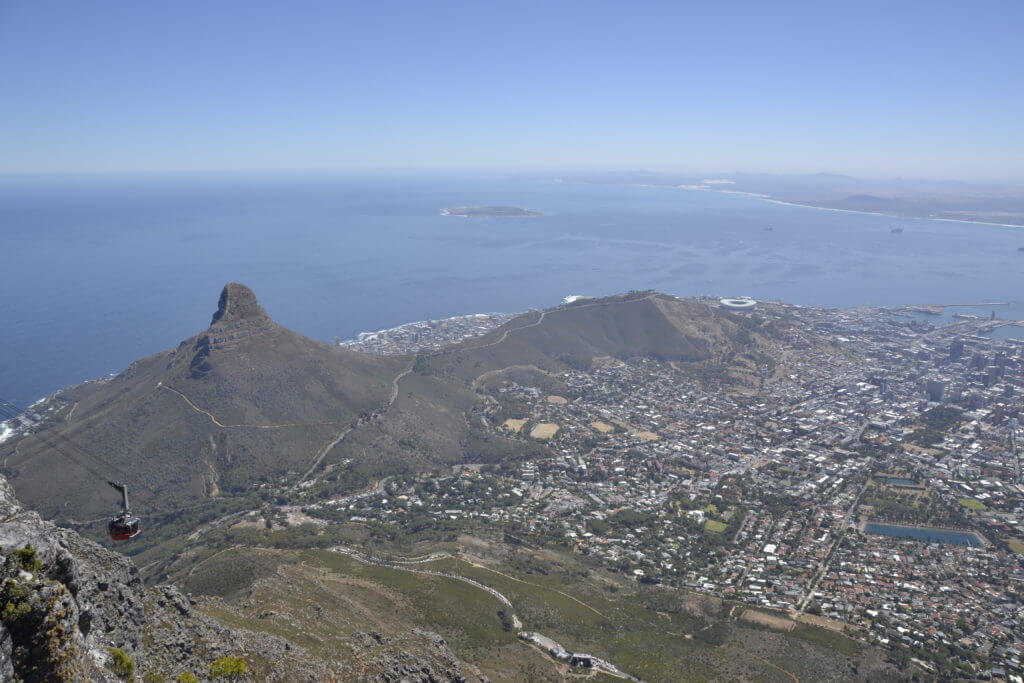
x=365 y=336
x=491 y=212
x=768 y=198
x=783 y=202
x=362 y=336
x=886 y=215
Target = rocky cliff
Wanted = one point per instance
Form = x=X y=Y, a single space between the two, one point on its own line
x=63 y=601
x=71 y=610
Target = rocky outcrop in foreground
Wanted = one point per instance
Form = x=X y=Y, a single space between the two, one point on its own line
x=71 y=610
x=64 y=600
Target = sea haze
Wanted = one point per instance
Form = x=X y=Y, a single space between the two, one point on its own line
x=101 y=271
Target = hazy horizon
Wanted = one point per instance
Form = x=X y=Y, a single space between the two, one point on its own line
x=554 y=173
x=872 y=91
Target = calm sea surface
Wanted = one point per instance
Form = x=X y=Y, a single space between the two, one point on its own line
x=97 y=273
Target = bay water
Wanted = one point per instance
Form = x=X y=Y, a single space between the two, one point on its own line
x=99 y=271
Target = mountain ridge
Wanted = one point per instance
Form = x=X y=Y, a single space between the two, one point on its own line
x=247 y=402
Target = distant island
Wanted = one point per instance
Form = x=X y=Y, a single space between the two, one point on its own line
x=486 y=211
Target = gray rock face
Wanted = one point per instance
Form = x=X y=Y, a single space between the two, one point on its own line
x=6 y=647
x=184 y=639
x=82 y=599
x=66 y=601
x=237 y=302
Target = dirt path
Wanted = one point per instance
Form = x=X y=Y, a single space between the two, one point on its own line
x=505 y=334
x=543 y=315
x=323 y=453
x=217 y=522
x=345 y=432
x=493 y=373
x=771 y=664
x=214 y=420
x=602 y=665
x=358 y=556
x=535 y=585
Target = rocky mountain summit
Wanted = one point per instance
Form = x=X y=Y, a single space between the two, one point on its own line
x=238 y=303
x=241 y=401
x=239 y=316
x=71 y=610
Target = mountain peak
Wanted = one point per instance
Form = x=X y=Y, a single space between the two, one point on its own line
x=237 y=302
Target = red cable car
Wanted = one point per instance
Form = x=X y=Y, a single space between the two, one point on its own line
x=124 y=526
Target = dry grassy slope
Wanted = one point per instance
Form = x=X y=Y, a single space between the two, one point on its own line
x=243 y=370
x=647 y=324
x=323 y=601
x=362 y=629
x=425 y=427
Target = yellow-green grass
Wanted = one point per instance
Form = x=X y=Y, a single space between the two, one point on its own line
x=514 y=426
x=464 y=613
x=715 y=526
x=624 y=632
x=830 y=639
x=1015 y=545
x=602 y=427
x=972 y=504
x=645 y=637
x=545 y=430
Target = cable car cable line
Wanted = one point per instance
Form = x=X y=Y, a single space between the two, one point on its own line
x=14 y=411
x=120 y=528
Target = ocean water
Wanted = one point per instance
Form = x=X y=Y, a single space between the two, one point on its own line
x=98 y=272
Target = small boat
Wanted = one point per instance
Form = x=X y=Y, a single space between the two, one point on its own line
x=896 y=230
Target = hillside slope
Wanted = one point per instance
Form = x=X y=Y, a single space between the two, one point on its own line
x=429 y=423
x=248 y=402
x=71 y=609
x=645 y=324
x=242 y=401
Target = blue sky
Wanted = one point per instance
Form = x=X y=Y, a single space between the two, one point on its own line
x=916 y=89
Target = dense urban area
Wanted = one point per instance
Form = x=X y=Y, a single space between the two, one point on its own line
x=869 y=479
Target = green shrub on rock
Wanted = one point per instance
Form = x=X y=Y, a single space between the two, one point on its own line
x=231 y=668
x=120 y=663
x=28 y=559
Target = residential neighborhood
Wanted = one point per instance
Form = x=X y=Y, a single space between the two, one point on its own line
x=869 y=478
